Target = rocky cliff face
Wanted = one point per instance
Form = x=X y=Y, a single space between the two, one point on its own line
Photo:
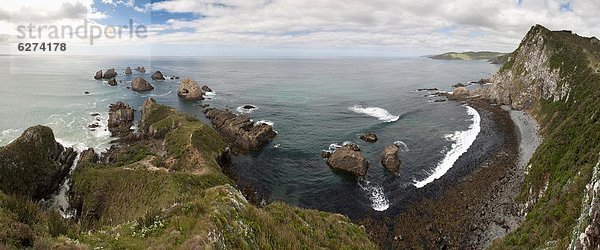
x=528 y=76
x=553 y=76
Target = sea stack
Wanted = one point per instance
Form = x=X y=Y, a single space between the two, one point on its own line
x=111 y=73
x=98 y=75
x=158 y=76
x=128 y=71
x=189 y=90
x=389 y=158
x=349 y=159
x=140 y=84
x=120 y=119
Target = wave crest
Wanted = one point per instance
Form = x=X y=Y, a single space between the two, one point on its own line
x=378 y=200
x=462 y=141
x=379 y=113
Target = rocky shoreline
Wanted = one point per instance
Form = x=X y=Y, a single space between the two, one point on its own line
x=472 y=204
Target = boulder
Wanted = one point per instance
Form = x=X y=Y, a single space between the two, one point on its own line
x=348 y=159
x=369 y=137
x=190 y=90
x=205 y=88
x=389 y=158
x=158 y=76
x=325 y=154
x=112 y=82
x=240 y=130
x=140 y=69
x=98 y=75
x=128 y=71
x=34 y=165
x=460 y=93
x=140 y=84
x=111 y=73
x=120 y=119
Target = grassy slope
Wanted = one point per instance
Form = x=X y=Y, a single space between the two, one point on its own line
x=178 y=199
x=563 y=164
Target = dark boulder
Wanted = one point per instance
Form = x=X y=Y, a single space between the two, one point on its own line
x=349 y=159
x=112 y=82
x=205 y=88
x=369 y=137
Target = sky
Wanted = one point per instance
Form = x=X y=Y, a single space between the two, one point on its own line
x=296 y=27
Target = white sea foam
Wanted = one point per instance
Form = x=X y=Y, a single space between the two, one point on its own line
x=379 y=113
x=161 y=95
x=333 y=147
x=402 y=146
x=379 y=201
x=270 y=123
x=241 y=109
x=462 y=141
x=210 y=94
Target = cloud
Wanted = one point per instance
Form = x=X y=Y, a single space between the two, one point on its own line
x=432 y=24
x=396 y=26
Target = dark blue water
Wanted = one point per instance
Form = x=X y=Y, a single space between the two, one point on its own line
x=309 y=101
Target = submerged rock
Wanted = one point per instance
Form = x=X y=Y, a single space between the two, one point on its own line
x=140 y=84
x=34 y=165
x=205 y=88
x=369 y=137
x=190 y=90
x=389 y=158
x=98 y=75
x=111 y=73
x=128 y=71
x=120 y=119
x=349 y=159
x=112 y=82
x=240 y=130
x=158 y=76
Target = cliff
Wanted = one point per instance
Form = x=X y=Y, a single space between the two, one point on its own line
x=554 y=76
x=163 y=187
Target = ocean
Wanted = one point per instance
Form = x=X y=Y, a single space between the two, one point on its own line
x=314 y=104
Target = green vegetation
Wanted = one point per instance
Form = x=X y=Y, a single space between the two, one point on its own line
x=168 y=192
x=469 y=55
x=26 y=165
x=563 y=164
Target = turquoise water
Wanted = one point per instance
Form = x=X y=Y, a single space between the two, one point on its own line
x=313 y=103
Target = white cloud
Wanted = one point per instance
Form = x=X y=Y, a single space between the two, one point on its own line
x=390 y=24
x=408 y=26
